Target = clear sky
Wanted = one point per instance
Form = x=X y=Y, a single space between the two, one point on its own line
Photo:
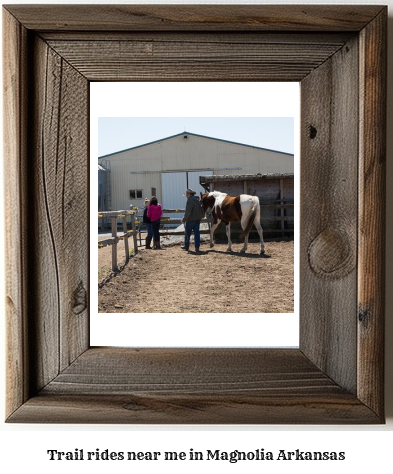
x=120 y=133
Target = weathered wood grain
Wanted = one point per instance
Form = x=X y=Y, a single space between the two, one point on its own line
x=371 y=242
x=188 y=371
x=239 y=409
x=201 y=37
x=216 y=60
x=195 y=17
x=15 y=212
x=328 y=249
x=193 y=386
x=59 y=180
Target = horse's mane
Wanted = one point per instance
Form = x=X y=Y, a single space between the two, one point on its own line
x=216 y=193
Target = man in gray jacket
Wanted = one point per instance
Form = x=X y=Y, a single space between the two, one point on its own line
x=192 y=219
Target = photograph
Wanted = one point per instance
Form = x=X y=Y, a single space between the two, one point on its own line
x=201 y=221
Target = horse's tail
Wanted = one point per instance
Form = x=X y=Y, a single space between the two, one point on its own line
x=255 y=211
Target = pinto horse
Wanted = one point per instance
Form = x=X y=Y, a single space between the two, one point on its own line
x=243 y=208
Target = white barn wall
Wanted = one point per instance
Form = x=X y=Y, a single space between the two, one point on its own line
x=141 y=167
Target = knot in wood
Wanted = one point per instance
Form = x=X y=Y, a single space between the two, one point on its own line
x=330 y=254
x=80 y=299
x=363 y=316
x=313 y=132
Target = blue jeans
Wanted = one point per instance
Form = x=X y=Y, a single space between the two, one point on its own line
x=156 y=230
x=149 y=229
x=189 y=227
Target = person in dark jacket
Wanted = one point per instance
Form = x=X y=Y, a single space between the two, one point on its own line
x=192 y=219
x=147 y=222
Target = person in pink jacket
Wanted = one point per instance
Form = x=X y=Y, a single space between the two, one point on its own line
x=154 y=213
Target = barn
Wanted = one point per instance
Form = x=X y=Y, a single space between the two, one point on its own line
x=167 y=167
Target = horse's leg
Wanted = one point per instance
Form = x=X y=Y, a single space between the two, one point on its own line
x=245 y=245
x=244 y=222
x=258 y=226
x=228 y=231
x=212 y=229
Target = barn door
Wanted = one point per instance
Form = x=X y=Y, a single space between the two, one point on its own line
x=174 y=185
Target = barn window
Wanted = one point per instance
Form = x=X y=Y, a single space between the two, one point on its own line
x=136 y=193
x=154 y=191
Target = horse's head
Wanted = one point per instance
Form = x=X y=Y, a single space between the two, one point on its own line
x=207 y=201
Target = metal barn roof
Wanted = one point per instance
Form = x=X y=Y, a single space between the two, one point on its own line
x=194 y=135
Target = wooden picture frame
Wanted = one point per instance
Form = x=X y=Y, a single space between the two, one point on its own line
x=338 y=54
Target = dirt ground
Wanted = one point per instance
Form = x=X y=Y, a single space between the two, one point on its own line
x=172 y=280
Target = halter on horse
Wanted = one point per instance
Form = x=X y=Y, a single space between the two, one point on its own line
x=243 y=208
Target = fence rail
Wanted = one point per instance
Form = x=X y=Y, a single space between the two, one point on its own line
x=114 y=240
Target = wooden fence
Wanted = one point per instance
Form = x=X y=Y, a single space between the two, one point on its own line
x=114 y=240
x=167 y=223
x=274 y=221
x=280 y=208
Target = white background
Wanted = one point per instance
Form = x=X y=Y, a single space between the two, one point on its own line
x=23 y=447
x=206 y=100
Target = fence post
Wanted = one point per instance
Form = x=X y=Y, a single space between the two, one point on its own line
x=134 y=236
x=140 y=219
x=114 y=245
x=126 y=237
